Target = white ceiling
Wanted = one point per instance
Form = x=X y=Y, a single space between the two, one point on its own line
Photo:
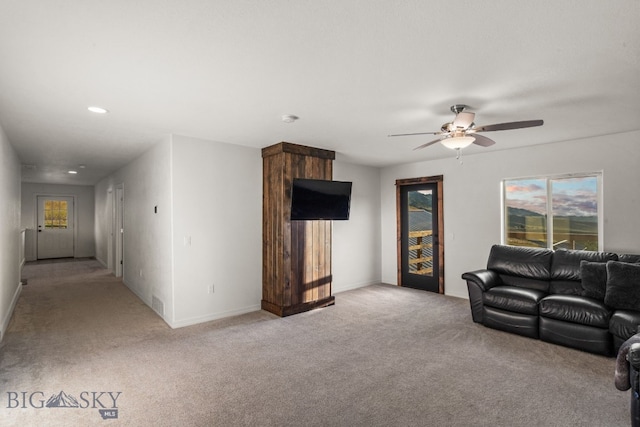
x=353 y=70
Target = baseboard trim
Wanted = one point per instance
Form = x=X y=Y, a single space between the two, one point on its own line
x=12 y=306
x=213 y=316
x=352 y=286
x=195 y=320
x=136 y=293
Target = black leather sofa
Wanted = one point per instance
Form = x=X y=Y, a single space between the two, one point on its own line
x=581 y=299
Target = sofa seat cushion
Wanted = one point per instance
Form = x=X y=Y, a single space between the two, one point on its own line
x=514 y=299
x=524 y=282
x=582 y=337
x=576 y=309
x=624 y=323
x=516 y=323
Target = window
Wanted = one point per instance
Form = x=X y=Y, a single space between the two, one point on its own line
x=55 y=214
x=553 y=212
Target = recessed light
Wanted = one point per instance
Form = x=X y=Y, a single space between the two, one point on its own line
x=289 y=118
x=98 y=110
x=73 y=172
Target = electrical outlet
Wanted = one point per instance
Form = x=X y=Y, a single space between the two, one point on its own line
x=210 y=289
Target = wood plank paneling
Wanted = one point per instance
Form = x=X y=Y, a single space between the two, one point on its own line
x=296 y=273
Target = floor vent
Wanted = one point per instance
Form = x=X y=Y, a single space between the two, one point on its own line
x=157 y=305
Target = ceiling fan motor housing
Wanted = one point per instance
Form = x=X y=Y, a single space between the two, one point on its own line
x=458 y=108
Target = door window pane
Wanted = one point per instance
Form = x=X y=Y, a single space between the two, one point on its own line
x=420 y=232
x=55 y=214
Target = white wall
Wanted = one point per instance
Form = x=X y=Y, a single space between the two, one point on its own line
x=355 y=253
x=472 y=197
x=84 y=241
x=147 y=269
x=217 y=205
x=10 y=236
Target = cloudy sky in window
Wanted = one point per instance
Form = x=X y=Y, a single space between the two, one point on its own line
x=570 y=196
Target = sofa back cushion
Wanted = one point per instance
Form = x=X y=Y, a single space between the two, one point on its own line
x=521 y=266
x=630 y=258
x=623 y=286
x=565 y=269
x=594 y=279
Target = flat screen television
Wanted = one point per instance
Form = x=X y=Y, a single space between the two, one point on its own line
x=314 y=199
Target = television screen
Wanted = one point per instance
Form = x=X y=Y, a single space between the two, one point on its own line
x=313 y=199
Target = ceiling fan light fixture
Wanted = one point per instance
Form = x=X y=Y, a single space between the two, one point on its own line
x=458 y=142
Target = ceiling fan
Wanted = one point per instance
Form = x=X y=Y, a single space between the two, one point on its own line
x=462 y=132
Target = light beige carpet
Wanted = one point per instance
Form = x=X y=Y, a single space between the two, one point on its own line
x=382 y=356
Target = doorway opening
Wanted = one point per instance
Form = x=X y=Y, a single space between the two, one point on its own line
x=419 y=228
x=119 y=234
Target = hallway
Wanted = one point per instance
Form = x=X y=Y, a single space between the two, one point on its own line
x=71 y=317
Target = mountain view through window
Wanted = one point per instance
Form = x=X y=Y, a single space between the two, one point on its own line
x=552 y=212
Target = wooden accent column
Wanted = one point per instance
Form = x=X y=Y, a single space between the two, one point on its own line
x=296 y=255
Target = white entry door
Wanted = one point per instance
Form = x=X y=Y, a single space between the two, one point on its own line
x=55 y=227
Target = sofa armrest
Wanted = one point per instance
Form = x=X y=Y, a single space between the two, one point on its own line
x=484 y=279
x=622 y=380
x=633 y=356
x=478 y=282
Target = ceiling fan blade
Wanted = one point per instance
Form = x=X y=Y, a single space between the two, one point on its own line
x=463 y=120
x=419 y=133
x=510 y=125
x=483 y=141
x=428 y=144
